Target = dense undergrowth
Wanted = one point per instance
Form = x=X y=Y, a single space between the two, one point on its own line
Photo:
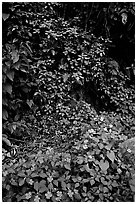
x=68 y=105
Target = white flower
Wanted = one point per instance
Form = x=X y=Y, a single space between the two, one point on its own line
x=85 y=146
x=101 y=119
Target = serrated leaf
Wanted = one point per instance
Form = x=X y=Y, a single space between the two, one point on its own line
x=111 y=155
x=104 y=165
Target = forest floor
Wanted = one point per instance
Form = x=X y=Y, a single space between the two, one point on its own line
x=75 y=141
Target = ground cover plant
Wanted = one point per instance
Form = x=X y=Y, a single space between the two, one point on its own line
x=68 y=102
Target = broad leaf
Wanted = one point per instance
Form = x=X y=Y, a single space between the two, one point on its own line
x=5 y=16
x=10 y=75
x=104 y=165
x=111 y=155
x=4 y=114
x=36 y=186
x=7 y=88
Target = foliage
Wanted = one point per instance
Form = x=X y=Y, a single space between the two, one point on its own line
x=66 y=173
x=68 y=105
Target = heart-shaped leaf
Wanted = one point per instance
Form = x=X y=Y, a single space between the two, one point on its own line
x=104 y=165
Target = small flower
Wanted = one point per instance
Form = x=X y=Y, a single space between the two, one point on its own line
x=48 y=195
x=110 y=125
x=85 y=146
x=36 y=199
x=101 y=119
x=28 y=195
x=5 y=173
x=50 y=179
x=91 y=131
x=58 y=199
x=31 y=181
x=129 y=150
x=90 y=156
x=86 y=141
x=76 y=191
x=59 y=193
x=70 y=193
x=105 y=129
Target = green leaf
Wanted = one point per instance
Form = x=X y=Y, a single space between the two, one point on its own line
x=5 y=16
x=30 y=103
x=132 y=183
x=21 y=174
x=55 y=182
x=15 y=56
x=114 y=184
x=105 y=190
x=43 y=175
x=65 y=77
x=77 y=196
x=8 y=187
x=14 y=183
x=85 y=188
x=36 y=186
x=43 y=188
x=92 y=182
x=33 y=175
x=63 y=184
x=4 y=139
x=104 y=165
x=50 y=186
x=10 y=75
x=4 y=114
x=21 y=182
x=7 y=88
x=77 y=185
x=111 y=155
x=67 y=166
